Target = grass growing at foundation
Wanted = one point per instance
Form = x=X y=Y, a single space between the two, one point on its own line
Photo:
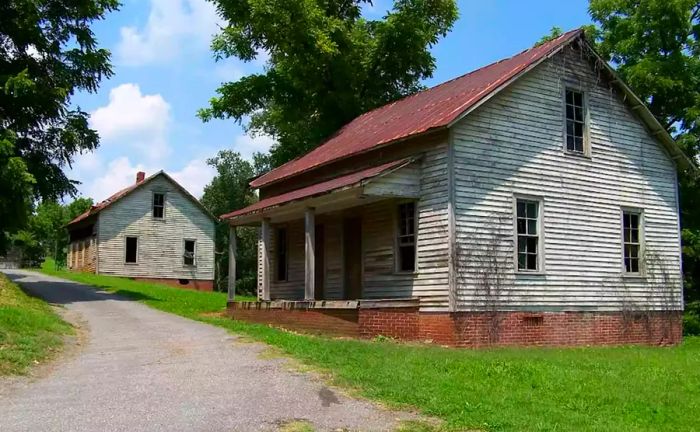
x=30 y=331
x=588 y=389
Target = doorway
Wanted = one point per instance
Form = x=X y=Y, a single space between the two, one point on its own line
x=352 y=253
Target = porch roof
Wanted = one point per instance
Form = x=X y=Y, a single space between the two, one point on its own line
x=344 y=182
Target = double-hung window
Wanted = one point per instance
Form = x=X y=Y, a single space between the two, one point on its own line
x=188 y=256
x=631 y=241
x=406 y=237
x=575 y=122
x=158 y=205
x=528 y=235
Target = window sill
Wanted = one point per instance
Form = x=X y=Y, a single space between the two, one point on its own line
x=634 y=276
x=577 y=155
x=158 y=219
x=405 y=273
x=521 y=274
x=131 y=264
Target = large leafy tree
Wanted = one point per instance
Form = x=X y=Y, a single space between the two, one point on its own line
x=655 y=46
x=327 y=63
x=47 y=53
x=229 y=190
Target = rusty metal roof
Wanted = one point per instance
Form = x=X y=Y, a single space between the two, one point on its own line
x=422 y=112
x=349 y=180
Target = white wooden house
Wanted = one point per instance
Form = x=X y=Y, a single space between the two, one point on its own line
x=152 y=230
x=532 y=201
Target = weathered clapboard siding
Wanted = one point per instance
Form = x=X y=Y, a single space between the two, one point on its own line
x=161 y=242
x=404 y=182
x=380 y=279
x=513 y=144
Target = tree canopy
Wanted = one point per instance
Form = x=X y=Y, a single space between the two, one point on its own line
x=327 y=63
x=47 y=53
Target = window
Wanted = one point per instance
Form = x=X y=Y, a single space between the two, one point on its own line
x=158 y=205
x=575 y=121
x=282 y=254
x=631 y=240
x=131 y=249
x=528 y=232
x=188 y=256
x=406 y=237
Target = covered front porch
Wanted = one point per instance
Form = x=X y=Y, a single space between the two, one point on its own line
x=340 y=244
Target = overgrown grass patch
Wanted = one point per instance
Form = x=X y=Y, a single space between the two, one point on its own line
x=587 y=389
x=30 y=332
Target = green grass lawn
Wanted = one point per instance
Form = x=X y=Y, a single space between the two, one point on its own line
x=30 y=331
x=589 y=389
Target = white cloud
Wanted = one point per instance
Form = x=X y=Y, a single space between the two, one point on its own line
x=247 y=145
x=134 y=119
x=173 y=27
x=194 y=176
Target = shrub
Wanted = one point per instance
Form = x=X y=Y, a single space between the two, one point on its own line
x=691 y=319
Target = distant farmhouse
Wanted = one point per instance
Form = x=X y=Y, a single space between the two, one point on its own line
x=151 y=230
x=532 y=201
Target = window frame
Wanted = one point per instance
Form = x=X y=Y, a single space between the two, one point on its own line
x=641 y=244
x=540 y=234
x=153 y=204
x=397 y=245
x=277 y=253
x=194 y=252
x=586 y=122
x=138 y=240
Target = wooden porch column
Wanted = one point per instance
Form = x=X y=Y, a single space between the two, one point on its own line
x=310 y=261
x=231 y=263
x=266 y=229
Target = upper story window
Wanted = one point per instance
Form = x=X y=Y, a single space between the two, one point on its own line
x=575 y=122
x=188 y=256
x=529 y=238
x=406 y=237
x=631 y=240
x=281 y=254
x=158 y=205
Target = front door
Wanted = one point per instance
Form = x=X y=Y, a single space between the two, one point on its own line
x=320 y=263
x=352 y=251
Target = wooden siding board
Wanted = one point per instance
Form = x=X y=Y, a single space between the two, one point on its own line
x=514 y=144
x=161 y=242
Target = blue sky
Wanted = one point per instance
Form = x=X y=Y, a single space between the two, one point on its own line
x=164 y=72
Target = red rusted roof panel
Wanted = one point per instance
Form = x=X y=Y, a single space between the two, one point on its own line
x=421 y=112
x=316 y=189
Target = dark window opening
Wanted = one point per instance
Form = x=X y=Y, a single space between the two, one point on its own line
x=282 y=254
x=575 y=121
x=528 y=235
x=158 y=205
x=189 y=254
x=183 y=281
x=131 y=249
x=406 y=237
x=631 y=241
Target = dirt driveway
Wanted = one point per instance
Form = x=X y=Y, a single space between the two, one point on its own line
x=140 y=369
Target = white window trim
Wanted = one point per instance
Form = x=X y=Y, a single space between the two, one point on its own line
x=138 y=243
x=540 y=230
x=586 y=121
x=396 y=215
x=194 y=252
x=642 y=242
x=153 y=203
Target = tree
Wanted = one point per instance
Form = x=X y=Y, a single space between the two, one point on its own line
x=47 y=53
x=228 y=191
x=655 y=47
x=327 y=64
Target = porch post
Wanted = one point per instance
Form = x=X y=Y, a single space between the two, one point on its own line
x=231 y=263
x=266 y=259
x=310 y=260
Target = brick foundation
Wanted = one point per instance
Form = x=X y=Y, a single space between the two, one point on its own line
x=194 y=284
x=469 y=329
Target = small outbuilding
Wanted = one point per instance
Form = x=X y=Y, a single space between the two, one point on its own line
x=152 y=230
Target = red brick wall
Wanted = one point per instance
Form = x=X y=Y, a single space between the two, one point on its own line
x=195 y=284
x=399 y=323
x=475 y=329
x=335 y=322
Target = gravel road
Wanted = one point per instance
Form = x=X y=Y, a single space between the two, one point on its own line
x=139 y=369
